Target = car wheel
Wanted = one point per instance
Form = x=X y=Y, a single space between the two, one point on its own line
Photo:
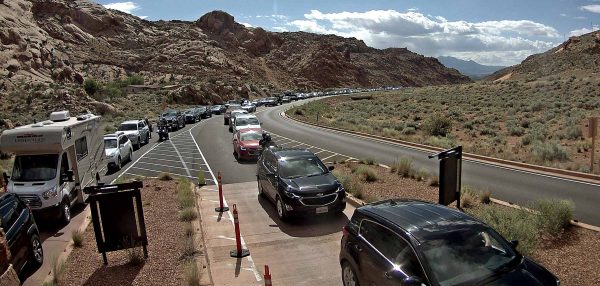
x=349 y=275
x=281 y=212
x=130 y=155
x=65 y=209
x=118 y=165
x=261 y=192
x=37 y=252
x=225 y=122
x=138 y=145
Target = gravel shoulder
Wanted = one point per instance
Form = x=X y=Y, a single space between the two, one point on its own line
x=572 y=256
x=164 y=265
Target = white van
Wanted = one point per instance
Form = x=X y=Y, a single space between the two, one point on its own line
x=54 y=161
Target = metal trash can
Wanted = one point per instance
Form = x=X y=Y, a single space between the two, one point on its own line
x=118 y=217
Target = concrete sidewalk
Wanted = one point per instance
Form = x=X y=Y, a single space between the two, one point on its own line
x=302 y=252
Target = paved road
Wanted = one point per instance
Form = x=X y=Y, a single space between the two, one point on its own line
x=504 y=183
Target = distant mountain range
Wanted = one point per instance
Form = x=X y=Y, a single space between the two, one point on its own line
x=469 y=68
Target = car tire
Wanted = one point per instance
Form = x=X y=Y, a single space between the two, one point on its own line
x=138 y=145
x=225 y=122
x=37 y=252
x=261 y=191
x=119 y=164
x=281 y=212
x=130 y=159
x=349 y=277
x=65 y=209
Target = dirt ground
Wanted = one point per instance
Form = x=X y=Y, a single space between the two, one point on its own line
x=164 y=265
x=572 y=257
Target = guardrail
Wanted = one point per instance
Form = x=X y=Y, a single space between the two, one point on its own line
x=567 y=174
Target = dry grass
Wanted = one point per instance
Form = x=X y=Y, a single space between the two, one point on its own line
x=192 y=275
x=525 y=121
x=165 y=177
x=77 y=238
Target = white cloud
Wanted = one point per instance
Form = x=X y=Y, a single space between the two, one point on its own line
x=127 y=7
x=504 y=42
x=563 y=15
x=591 y=8
x=143 y=17
x=279 y=29
x=582 y=31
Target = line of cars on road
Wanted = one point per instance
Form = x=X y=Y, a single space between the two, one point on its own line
x=391 y=242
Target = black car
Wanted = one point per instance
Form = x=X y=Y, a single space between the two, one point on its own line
x=218 y=109
x=298 y=183
x=192 y=115
x=174 y=118
x=271 y=101
x=409 y=242
x=21 y=233
x=285 y=99
x=204 y=112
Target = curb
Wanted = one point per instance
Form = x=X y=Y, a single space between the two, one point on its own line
x=202 y=261
x=566 y=174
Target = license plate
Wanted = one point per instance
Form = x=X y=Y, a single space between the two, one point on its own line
x=321 y=210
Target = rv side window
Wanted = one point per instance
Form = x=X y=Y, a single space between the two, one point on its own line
x=81 y=148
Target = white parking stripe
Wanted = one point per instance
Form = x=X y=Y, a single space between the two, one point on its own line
x=154 y=171
x=127 y=169
x=329 y=157
x=181 y=158
x=313 y=146
x=173 y=161
x=320 y=152
x=163 y=154
x=167 y=166
x=297 y=145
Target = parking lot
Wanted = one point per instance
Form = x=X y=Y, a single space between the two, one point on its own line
x=179 y=156
x=328 y=157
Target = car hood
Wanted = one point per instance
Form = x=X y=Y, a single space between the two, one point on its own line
x=315 y=184
x=110 y=151
x=130 y=132
x=526 y=273
x=249 y=143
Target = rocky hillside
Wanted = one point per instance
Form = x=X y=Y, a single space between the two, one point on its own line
x=49 y=47
x=578 y=56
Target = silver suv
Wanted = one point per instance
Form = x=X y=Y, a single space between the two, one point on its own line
x=137 y=131
x=117 y=148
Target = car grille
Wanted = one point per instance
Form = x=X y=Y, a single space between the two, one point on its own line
x=319 y=201
x=31 y=200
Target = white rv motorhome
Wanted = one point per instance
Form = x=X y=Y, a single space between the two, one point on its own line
x=54 y=161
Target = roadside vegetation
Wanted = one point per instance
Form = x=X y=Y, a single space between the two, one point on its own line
x=536 y=122
x=542 y=227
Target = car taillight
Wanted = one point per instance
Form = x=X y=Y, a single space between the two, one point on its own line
x=345 y=231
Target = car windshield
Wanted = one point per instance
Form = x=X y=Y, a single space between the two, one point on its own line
x=128 y=127
x=234 y=106
x=170 y=113
x=248 y=136
x=467 y=255
x=246 y=121
x=201 y=109
x=110 y=143
x=189 y=111
x=31 y=168
x=301 y=167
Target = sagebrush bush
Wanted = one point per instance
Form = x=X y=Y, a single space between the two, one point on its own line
x=165 y=177
x=549 y=151
x=366 y=174
x=437 y=125
x=553 y=214
x=188 y=214
x=512 y=224
x=403 y=167
x=77 y=238
x=192 y=274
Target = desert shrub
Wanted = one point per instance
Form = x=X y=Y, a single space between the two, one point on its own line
x=188 y=229
x=189 y=247
x=553 y=214
x=299 y=111
x=185 y=194
x=367 y=174
x=512 y=224
x=368 y=161
x=188 y=214
x=549 y=151
x=444 y=142
x=77 y=238
x=485 y=197
x=468 y=197
x=433 y=181
x=165 y=177
x=526 y=140
x=192 y=274
x=403 y=167
x=422 y=174
x=350 y=183
x=90 y=86
x=573 y=132
x=409 y=130
x=437 y=125
x=112 y=92
x=201 y=178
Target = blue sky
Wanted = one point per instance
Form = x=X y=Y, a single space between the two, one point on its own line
x=490 y=32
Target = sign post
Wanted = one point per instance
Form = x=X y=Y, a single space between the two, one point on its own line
x=450 y=175
x=589 y=129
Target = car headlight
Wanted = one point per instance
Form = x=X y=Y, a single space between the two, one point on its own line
x=242 y=148
x=288 y=193
x=341 y=189
x=51 y=193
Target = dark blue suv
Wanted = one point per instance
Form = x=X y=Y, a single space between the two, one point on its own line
x=408 y=242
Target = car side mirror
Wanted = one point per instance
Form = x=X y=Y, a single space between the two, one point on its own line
x=412 y=280
x=69 y=174
x=514 y=243
x=261 y=124
x=6 y=177
x=330 y=168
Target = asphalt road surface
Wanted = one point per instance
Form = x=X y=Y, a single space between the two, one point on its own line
x=504 y=183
